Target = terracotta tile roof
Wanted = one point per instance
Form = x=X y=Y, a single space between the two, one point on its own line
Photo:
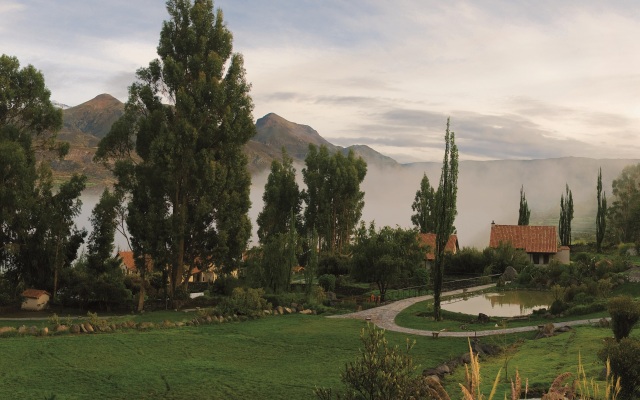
x=532 y=239
x=429 y=239
x=129 y=263
x=34 y=293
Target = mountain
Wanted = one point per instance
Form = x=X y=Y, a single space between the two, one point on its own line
x=372 y=157
x=95 y=116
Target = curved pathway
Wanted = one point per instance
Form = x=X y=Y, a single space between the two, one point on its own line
x=384 y=317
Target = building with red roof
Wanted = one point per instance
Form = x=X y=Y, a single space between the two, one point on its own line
x=539 y=242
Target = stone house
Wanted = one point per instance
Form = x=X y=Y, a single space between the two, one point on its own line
x=539 y=242
x=35 y=300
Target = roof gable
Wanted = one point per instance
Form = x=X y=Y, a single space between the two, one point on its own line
x=34 y=293
x=429 y=239
x=532 y=239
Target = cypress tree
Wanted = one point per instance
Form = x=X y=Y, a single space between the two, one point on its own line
x=601 y=220
x=524 y=212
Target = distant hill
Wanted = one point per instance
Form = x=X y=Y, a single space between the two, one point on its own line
x=95 y=116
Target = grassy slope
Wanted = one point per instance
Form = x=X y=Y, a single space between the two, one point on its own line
x=275 y=358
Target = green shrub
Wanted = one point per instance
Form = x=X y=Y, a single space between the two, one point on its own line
x=624 y=356
x=557 y=307
x=242 y=301
x=327 y=282
x=625 y=313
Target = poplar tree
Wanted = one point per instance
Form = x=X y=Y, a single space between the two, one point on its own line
x=281 y=198
x=601 y=215
x=566 y=216
x=524 y=212
x=446 y=212
x=182 y=163
x=423 y=206
x=333 y=197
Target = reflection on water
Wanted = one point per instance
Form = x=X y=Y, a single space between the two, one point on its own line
x=506 y=304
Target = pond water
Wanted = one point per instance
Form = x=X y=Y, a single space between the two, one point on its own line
x=505 y=304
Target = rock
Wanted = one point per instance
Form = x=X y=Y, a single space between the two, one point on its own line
x=146 y=325
x=563 y=329
x=62 y=328
x=300 y=308
x=44 y=331
x=280 y=310
x=287 y=310
x=88 y=327
x=33 y=330
x=306 y=312
x=465 y=358
x=545 y=331
x=294 y=306
x=75 y=328
x=179 y=323
x=432 y=380
x=510 y=274
x=266 y=312
x=6 y=329
x=22 y=330
x=604 y=323
x=430 y=372
x=442 y=370
x=483 y=318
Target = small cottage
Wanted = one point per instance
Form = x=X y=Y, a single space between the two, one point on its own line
x=429 y=240
x=35 y=300
x=539 y=242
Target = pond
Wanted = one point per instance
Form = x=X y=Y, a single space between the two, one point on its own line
x=504 y=304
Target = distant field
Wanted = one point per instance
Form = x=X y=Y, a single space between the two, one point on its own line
x=272 y=358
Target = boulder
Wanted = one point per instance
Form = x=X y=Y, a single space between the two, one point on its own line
x=287 y=310
x=33 y=330
x=44 y=331
x=486 y=348
x=22 y=330
x=294 y=306
x=6 y=329
x=443 y=369
x=280 y=310
x=306 y=312
x=62 y=328
x=563 y=329
x=510 y=274
x=88 y=327
x=75 y=328
x=266 y=312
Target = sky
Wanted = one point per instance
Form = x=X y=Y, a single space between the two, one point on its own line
x=519 y=79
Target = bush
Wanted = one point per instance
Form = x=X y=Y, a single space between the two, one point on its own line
x=557 y=307
x=327 y=282
x=249 y=302
x=624 y=356
x=333 y=264
x=225 y=284
x=625 y=313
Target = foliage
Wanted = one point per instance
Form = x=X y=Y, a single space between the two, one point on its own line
x=281 y=197
x=623 y=217
x=182 y=164
x=38 y=238
x=566 y=216
x=381 y=372
x=333 y=197
x=245 y=301
x=385 y=256
x=424 y=205
x=310 y=257
x=327 y=282
x=503 y=256
x=446 y=212
x=623 y=356
x=625 y=313
x=274 y=261
x=601 y=214
x=524 y=213
x=333 y=264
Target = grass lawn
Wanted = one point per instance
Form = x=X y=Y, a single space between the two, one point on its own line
x=541 y=361
x=272 y=358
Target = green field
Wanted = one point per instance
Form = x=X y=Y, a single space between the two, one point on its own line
x=272 y=358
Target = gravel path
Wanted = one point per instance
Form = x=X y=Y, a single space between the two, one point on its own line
x=384 y=317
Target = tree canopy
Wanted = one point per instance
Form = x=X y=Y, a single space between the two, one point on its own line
x=178 y=147
x=37 y=233
x=424 y=207
x=333 y=197
x=566 y=216
x=386 y=256
x=623 y=218
x=524 y=213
